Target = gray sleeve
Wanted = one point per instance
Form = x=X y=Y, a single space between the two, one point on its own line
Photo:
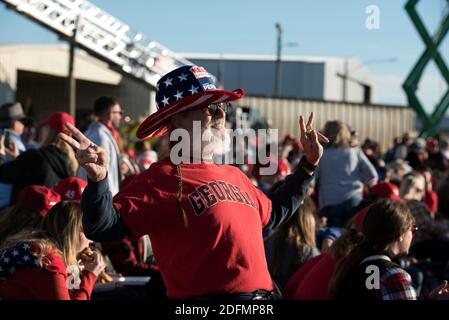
x=365 y=168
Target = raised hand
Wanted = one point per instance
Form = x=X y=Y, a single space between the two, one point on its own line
x=91 y=157
x=441 y=292
x=310 y=140
x=12 y=151
x=96 y=264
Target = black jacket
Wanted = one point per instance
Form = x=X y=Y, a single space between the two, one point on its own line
x=43 y=166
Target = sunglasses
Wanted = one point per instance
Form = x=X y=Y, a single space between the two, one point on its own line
x=414 y=229
x=213 y=108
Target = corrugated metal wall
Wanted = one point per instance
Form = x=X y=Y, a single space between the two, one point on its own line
x=380 y=123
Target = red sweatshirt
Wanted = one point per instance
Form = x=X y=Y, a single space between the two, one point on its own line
x=230 y=256
x=24 y=280
x=315 y=284
x=296 y=279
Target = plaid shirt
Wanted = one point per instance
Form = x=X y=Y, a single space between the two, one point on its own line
x=396 y=284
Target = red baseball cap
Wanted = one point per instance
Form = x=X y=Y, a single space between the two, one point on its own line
x=386 y=190
x=56 y=121
x=38 y=198
x=71 y=188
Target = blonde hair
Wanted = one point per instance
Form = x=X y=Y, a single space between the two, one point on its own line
x=298 y=232
x=50 y=137
x=60 y=232
x=338 y=134
x=410 y=186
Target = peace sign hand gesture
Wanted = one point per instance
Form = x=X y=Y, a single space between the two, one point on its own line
x=91 y=157
x=310 y=140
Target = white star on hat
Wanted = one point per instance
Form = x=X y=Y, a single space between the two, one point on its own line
x=168 y=82
x=194 y=90
x=15 y=253
x=165 y=100
x=182 y=77
x=26 y=258
x=178 y=95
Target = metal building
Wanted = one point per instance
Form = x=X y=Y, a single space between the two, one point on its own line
x=319 y=78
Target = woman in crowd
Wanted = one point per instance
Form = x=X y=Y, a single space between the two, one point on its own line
x=52 y=161
x=293 y=244
x=413 y=190
x=341 y=176
x=432 y=239
x=43 y=264
x=26 y=216
x=368 y=272
x=311 y=280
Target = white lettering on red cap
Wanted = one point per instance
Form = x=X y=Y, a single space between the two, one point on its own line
x=199 y=72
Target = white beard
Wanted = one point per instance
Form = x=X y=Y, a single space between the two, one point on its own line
x=216 y=141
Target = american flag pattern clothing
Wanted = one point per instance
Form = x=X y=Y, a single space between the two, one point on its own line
x=183 y=82
x=15 y=258
x=183 y=89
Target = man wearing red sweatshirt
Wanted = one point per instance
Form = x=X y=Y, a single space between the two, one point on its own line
x=205 y=221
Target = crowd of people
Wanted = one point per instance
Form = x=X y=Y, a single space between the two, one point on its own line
x=78 y=207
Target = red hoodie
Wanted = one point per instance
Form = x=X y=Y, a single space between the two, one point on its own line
x=22 y=279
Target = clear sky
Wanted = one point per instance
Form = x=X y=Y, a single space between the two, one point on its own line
x=320 y=27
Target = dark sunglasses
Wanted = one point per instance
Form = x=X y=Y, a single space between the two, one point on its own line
x=213 y=108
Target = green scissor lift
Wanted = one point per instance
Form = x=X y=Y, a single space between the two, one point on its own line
x=429 y=122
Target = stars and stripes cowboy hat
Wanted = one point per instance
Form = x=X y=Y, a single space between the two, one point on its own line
x=185 y=88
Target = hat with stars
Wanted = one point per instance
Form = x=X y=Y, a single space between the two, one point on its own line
x=185 y=88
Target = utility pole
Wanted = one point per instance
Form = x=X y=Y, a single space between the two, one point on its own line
x=221 y=71
x=346 y=76
x=71 y=81
x=345 y=80
x=277 y=84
